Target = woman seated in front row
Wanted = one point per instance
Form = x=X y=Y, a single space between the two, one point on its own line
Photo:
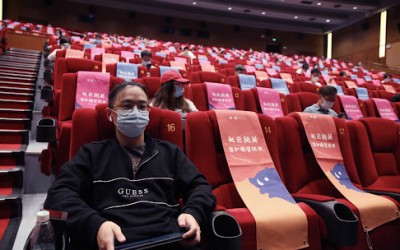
x=170 y=94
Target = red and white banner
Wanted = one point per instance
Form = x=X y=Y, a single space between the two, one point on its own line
x=351 y=107
x=270 y=102
x=323 y=138
x=73 y=53
x=220 y=96
x=385 y=109
x=92 y=89
x=280 y=222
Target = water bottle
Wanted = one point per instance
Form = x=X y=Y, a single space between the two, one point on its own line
x=43 y=234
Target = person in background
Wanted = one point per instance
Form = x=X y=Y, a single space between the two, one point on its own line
x=128 y=187
x=65 y=43
x=315 y=75
x=342 y=74
x=146 y=58
x=240 y=69
x=98 y=38
x=304 y=68
x=396 y=98
x=327 y=97
x=186 y=52
x=170 y=94
x=387 y=78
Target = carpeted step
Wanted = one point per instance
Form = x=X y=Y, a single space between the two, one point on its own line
x=16 y=104
x=13 y=139
x=14 y=84
x=10 y=219
x=15 y=113
x=16 y=96
x=15 y=123
x=25 y=90
x=11 y=182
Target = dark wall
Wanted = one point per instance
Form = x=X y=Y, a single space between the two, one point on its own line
x=66 y=14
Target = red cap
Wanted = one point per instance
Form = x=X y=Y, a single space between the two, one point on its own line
x=172 y=75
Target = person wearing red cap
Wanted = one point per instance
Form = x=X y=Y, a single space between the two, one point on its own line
x=170 y=94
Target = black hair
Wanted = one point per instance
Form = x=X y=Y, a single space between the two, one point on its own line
x=64 y=39
x=305 y=66
x=315 y=71
x=186 y=48
x=145 y=53
x=117 y=89
x=342 y=73
x=387 y=75
x=327 y=90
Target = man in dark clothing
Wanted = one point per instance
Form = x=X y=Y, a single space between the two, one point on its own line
x=128 y=188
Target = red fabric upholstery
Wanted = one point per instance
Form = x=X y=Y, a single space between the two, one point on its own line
x=155 y=72
x=68 y=94
x=309 y=87
x=138 y=60
x=206 y=151
x=92 y=125
x=112 y=69
x=252 y=103
x=227 y=71
x=152 y=84
x=297 y=102
x=198 y=93
x=304 y=176
x=376 y=147
x=204 y=76
x=360 y=103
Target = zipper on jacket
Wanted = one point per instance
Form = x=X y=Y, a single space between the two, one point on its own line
x=140 y=164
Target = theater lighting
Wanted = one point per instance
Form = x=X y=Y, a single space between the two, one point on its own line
x=274 y=39
x=295 y=17
x=194 y=3
x=382 y=35
x=319 y=4
x=328 y=21
x=1 y=9
x=329 y=46
x=355 y=7
x=263 y=13
x=229 y=8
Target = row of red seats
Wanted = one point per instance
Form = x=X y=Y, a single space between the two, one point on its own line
x=373 y=166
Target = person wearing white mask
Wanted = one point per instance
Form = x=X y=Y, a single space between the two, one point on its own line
x=315 y=75
x=171 y=94
x=65 y=43
x=127 y=188
x=327 y=97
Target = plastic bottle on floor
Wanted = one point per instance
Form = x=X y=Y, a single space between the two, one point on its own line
x=42 y=237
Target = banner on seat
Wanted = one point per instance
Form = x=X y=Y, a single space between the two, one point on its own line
x=92 y=89
x=178 y=65
x=279 y=85
x=362 y=93
x=73 y=53
x=220 y=96
x=270 y=102
x=389 y=88
x=271 y=72
x=351 y=107
x=323 y=138
x=165 y=68
x=247 y=81
x=249 y=68
x=127 y=71
x=385 y=109
x=209 y=67
x=329 y=80
x=339 y=89
x=286 y=77
x=109 y=58
x=96 y=51
x=350 y=84
x=127 y=55
x=261 y=75
x=280 y=222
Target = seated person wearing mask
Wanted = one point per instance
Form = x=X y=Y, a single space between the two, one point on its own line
x=146 y=58
x=188 y=53
x=315 y=75
x=303 y=69
x=240 y=69
x=98 y=38
x=65 y=43
x=387 y=78
x=170 y=94
x=327 y=97
x=98 y=186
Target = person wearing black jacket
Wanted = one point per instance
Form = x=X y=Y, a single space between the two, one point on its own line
x=128 y=188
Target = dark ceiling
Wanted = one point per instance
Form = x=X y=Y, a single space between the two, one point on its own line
x=306 y=16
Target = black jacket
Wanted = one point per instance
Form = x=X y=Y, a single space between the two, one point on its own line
x=98 y=184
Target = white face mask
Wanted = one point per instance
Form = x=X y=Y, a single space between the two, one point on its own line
x=326 y=104
x=314 y=79
x=132 y=124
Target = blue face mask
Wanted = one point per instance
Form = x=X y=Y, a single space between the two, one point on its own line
x=179 y=90
x=132 y=124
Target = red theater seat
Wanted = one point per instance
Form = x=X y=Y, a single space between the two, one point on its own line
x=252 y=103
x=198 y=94
x=204 y=76
x=112 y=69
x=304 y=177
x=92 y=125
x=205 y=150
x=155 y=72
x=376 y=148
x=152 y=83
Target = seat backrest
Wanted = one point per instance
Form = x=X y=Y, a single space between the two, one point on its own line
x=299 y=166
x=198 y=94
x=93 y=125
x=206 y=151
x=68 y=95
x=112 y=69
x=376 y=147
x=309 y=87
x=297 y=102
x=251 y=101
x=155 y=72
x=204 y=76
x=72 y=65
